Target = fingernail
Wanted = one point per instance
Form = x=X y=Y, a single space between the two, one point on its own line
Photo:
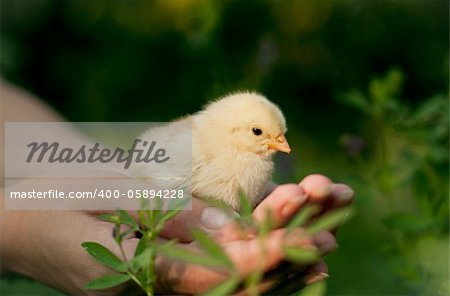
x=345 y=195
x=327 y=247
x=323 y=191
x=292 y=206
x=214 y=218
x=316 y=277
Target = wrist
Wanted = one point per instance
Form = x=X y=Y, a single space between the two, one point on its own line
x=10 y=236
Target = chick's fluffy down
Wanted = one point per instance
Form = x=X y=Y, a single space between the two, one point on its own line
x=226 y=156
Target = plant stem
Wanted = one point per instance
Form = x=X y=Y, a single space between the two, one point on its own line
x=135 y=279
x=151 y=266
x=122 y=252
x=152 y=235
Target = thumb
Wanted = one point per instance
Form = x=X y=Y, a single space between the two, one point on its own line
x=202 y=216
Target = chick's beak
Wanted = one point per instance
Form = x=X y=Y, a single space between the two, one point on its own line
x=280 y=144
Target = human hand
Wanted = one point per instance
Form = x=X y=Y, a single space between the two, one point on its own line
x=328 y=196
x=282 y=204
x=46 y=245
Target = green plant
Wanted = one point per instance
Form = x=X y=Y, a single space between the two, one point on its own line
x=141 y=268
x=407 y=167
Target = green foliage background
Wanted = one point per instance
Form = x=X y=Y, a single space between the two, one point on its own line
x=363 y=84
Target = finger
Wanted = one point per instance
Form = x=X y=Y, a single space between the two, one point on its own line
x=257 y=254
x=299 y=278
x=320 y=266
x=292 y=277
x=280 y=205
x=268 y=283
x=235 y=231
x=247 y=257
x=296 y=276
x=316 y=273
x=202 y=216
x=292 y=270
x=324 y=241
x=317 y=187
x=341 y=195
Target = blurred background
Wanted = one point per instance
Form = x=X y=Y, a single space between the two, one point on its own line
x=363 y=85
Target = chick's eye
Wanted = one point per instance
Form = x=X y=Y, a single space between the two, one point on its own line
x=257 y=131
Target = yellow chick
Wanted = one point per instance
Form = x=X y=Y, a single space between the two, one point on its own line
x=233 y=140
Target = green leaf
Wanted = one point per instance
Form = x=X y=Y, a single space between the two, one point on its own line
x=433 y=108
x=386 y=88
x=302 y=217
x=107 y=281
x=407 y=222
x=142 y=245
x=246 y=208
x=141 y=260
x=252 y=281
x=329 y=221
x=394 y=80
x=142 y=255
x=212 y=248
x=187 y=255
x=315 y=289
x=301 y=256
x=355 y=99
x=109 y=218
x=224 y=289
x=104 y=256
x=168 y=215
x=125 y=218
x=266 y=226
